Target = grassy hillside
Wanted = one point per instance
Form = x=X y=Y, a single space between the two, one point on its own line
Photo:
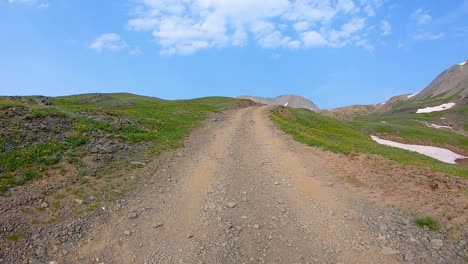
x=413 y=128
x=37 y=139
x=347 y=137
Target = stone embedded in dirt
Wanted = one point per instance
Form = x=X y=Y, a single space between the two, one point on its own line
x=388 y=251
x=44 y=205
x=132 y=215
x=189 y=236
x=437 y=243
x=157 y=225
x=256 y=226
x=461 y=243
x=409 y=257
x=138 y=163
x=231 y=204
x=127 y=233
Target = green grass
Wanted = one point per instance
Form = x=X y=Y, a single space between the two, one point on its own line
x=15 y=236
x=413 y=127
x=428 y=221
x=347 y=137
x=143 y=119
x=162 y=122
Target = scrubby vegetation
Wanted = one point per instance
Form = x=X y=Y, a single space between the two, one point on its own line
x=36 y=137
x=428 y=221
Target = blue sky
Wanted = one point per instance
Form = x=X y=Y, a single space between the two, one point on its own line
x=336 y=53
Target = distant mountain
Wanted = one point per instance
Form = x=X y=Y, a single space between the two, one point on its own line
x=285 y=100
x=450 y=86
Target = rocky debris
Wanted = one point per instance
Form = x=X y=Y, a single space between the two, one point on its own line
x=158 y=225
x=38 y=100
x=409 y=257
x=388 y=251
x=132 y=215
x=231 y=204
x=437 y=243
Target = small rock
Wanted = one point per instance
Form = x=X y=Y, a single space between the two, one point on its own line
x=79 y=201
x=157 y=225
x=127 y=233
x=256 y=226
x=388 y=251
x=189 y=236
x=409 y=257
x=132 y=215
x=231 y=204
x=437 y=243
x=53 y=262
x=461 y=243
x=461 y=253
x=44 y=205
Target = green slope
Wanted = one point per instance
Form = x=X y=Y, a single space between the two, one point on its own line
x=349 y=137
x=69 y=122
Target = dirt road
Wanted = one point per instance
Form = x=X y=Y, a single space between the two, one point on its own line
x=240 y=192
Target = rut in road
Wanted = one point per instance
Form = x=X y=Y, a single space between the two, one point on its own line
x=239 y=192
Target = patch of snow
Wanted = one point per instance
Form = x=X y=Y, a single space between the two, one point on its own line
x=286 y=104
x=462 y=63
x=437 y=126
x=411 y=95
x=441 y=107
x=441 y=154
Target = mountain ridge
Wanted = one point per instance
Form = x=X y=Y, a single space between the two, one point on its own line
x=290 y=100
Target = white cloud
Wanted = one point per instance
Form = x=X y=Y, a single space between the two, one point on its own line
x=386 y=28
x=108 y=41
x=427 y=36
x=31 y=3
x=421 y=16
x=301 y=26
x=136 y=51
x=313 y=39
x=187 y=26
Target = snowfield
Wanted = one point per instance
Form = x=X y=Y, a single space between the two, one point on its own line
x=411 y=95
x=441 y=107
x=437 y=126
x=441 y=154
x=463 y=63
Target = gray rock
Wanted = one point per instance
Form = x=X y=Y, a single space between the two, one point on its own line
x=127 y=233
x=40 y=252
x=132 y=215
x=409 y=257
x=437 y=244
x=388 y=251
x=231 y=204
x=461 y=253
x=462 y=243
